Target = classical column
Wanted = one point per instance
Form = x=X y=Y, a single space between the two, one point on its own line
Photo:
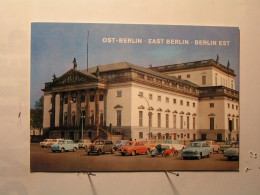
x=97 y=110
x=78 y=106
x=87 y=108
x=53 y=100
x=61 y=110
x=69 y=108
x=105 y=107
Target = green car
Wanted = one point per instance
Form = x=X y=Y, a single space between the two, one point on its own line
x=226 y=145
x=232 y=152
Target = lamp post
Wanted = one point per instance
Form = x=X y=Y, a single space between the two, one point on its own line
x=82 y=118
x=149 y=114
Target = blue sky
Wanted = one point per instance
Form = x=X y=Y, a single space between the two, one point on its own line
x=54 y=45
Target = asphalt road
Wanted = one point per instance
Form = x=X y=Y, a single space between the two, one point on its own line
x=44 y=160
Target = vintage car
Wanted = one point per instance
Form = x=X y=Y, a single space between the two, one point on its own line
x=53 y=142
x=150 y=144
x=45 y=143
x=65 y=145
x=173 y=144
x=120 y=143
x=232 y=152
x=226 y=145
x=213 y=145
x=197 y=150
x=84 y=143
x=133 y=148
x=101 y=147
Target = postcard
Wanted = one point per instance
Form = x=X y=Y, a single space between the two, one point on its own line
x=132 y=97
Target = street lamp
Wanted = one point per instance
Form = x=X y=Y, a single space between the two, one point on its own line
x=149 y=114
x=82 y=118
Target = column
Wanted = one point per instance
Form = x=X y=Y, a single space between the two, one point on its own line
x=61 y=109
x=105 y=108
x=87 y=108
x=97 y=110
x=53 y=100
x=69 y=109
x=78 y=108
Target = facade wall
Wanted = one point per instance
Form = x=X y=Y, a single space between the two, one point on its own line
x=46 y=114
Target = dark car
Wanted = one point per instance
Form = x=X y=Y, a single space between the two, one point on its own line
x=101 y=147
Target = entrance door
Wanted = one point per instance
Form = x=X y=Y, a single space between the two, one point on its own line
x=203 y=136
x=174 y=136
x=219 y=137
x=194 y=137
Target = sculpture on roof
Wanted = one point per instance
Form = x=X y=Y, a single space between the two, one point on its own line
x=97 y=72
x=228 y=64
x=75 y=63
x=54 y=77
x=217 y=58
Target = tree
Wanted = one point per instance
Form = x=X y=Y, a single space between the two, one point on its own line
x=36 y=114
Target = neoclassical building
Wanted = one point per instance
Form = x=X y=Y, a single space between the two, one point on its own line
x=188 y=101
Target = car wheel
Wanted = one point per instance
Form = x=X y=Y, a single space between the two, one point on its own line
x=123 y=154
x=148 y=152
x=199 y=156
x=184 y=158
x=133 y=153
x=62 y=150
x=53 y=150
x=99 y=152
x=152 y=155
x=229 y=158
x=74 y=149
x=175 y=153
x=112 y=151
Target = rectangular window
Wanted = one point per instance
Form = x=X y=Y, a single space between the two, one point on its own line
x=181 y=135
x=140 y=135
x=82 y=99
x=150 y=119
x=66 y=100
x=237 y=124
x=159 y=98
x=188 y=136
x=211 y=105
x=233 y=123
x=150 y=96
x=236 y=107
x=188 y=122
x=118 y=117
x=232 y=106
x=194 y=122
x=194 y=104
x=181 y=102
x=188 y=103
x=179 y=77
x=159 y=135
x=181 y=122
x=211 y=123
x=119 y=94
x=92 y=98
x=174 y=121
x=204 y=80
x=159 y=119
x=101 y=98
x=140 y=118
x=167 y=120
x=167 y=100
x=188 y=75
x=174 y=101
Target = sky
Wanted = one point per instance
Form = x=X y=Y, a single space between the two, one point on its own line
x=55 y=45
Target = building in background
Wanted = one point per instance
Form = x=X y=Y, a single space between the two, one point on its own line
x=189 y=101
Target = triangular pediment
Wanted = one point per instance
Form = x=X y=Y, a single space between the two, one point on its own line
x=74 y=77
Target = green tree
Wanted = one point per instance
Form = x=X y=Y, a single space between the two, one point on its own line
x=36 y=114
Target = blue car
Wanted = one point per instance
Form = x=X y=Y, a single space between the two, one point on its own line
x=197 y=150
x=65 y=145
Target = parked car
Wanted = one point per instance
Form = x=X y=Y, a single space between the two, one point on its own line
x=101 y=147
x=133 y=148
x=53 y=142
x=197 y=150
x=84 y=143
x=173 y=144
x=45 y=142
x=226 y=145
x=120 y=143
x=213 y=145
x=65 y=145
x=150 y=144
x=232 y=152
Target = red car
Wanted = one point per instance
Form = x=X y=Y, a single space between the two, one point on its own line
x=133 y=148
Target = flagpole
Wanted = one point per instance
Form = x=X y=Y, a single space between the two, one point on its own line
x=87 y=50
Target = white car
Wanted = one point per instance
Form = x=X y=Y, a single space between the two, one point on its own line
x=84 y=143
x=173 y=144
x=45 y=142
x=213 y=145
x=53 y=142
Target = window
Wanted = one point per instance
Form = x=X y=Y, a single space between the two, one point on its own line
x=211 y=105
x=167 y=120
x=150 y=119
x=174 y=101
x=236 y=107
x=150 y=96
x=233 y=123
x=92 y=98
x=159 y=135
x=179 y=77
x=181 y=102
x=140 y=118
x=228 y=105
x=188 y=103
x=140 y=135
x=188 y=136
x=65 y=100
x=101 y=98
x=237 y=124
x=232 y=106
x=119 y=94
x=194 y=122
x=141 y=94
x=118 y=117
x=188 y=75
x=203 y=80
x=188 y=122
x=174 y=121
x=181 y=122
x=216 y=80
x=167 y=100
x=159 y=98
x=211 y=123
x=159 y=119
x=194 y=104
x=181 y=135
x=82 y=99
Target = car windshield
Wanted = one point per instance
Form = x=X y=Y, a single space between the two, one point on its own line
x=195 y=145
x=99 y=143
x=129 y=144
x=61 y=142
x=235 y=145
x=50 y=141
